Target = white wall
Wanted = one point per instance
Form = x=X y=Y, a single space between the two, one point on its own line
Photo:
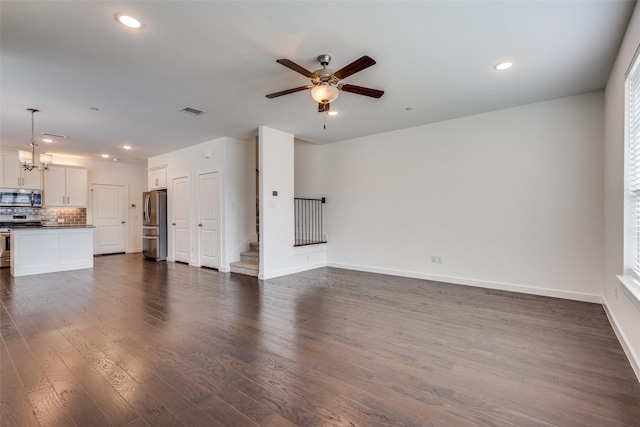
x=623 y=309
x=310 y=169
x=240 y=194
x=278 y=256
x=113 y=173
x=510 y=199
x=235 y=160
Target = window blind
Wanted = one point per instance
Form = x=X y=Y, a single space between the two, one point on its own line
x=633 y=169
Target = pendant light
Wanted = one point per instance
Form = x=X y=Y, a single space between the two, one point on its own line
x=28 y=158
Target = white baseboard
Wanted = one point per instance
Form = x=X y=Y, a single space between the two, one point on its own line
x=634 y=360
x=286 y=271
x=473 y=282
x=133 y=251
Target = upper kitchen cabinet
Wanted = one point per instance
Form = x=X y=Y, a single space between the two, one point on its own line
x=158 y=178
x=12 y=175
x=65 y=186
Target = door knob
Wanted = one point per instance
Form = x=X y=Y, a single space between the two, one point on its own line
x=173 y=223
x=199 y=225
x=124 y=222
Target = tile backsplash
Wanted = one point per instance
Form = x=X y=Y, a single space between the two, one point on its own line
x=70 y=216
x=73 y=216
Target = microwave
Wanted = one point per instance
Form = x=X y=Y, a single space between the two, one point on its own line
x=20 y=197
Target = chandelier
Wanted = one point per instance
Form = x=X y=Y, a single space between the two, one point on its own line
x=28 y=158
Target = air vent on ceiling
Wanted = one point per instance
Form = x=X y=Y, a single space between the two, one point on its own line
x=193 y=111
x=53 y=135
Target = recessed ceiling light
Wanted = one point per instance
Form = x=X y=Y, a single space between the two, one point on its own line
x=47 y=140
x=126 y=147
x=129 y=21
x=106 y=156
x=503 y=66
x=332 y=113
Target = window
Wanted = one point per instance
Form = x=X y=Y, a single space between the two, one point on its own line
x=632 y=182
x=632 y=160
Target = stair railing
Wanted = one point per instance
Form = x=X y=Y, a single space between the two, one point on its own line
x=309 y=221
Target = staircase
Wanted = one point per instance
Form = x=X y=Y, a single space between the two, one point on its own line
x=249 y=263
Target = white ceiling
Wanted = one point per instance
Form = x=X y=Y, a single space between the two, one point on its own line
x=434 y=61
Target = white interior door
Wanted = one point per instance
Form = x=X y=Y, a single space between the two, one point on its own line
x=180 y=218
x=109 y=218
x=209 y=219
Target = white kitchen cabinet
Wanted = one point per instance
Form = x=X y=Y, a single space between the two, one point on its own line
x=12 y=175
x=158 y=178
x=65 y=186
x=30 y=179
x=47 y=250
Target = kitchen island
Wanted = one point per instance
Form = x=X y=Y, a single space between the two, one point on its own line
x=51 y=249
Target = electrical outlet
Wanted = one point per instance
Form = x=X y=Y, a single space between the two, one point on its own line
x=615 y=291
x=435 y=259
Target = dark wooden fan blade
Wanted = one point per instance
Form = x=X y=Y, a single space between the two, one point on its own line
x=354 y=67
x=295 y=67
x=286 y=92
x=374 y=93
x=324 y=107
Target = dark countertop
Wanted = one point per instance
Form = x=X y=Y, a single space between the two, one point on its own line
x=67 y=226
x=51 y=227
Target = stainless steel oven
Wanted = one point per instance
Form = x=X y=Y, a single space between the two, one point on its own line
x=5 y=248
x=9 y=221
x=20 y=197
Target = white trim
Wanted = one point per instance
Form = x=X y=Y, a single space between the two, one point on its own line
x=293 y=270
x=631 y=287
x=133 y=251
x=309 y=249
x=154 y=168
x=473 y=282
x=634 y=360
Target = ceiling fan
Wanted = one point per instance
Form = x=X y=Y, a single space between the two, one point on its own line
x=326 y=83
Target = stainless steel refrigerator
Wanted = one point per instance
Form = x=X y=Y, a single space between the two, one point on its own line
x=154 y=225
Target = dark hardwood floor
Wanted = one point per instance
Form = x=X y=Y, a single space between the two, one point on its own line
x=137 y=343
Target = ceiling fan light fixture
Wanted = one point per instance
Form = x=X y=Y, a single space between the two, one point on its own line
x=324 y=93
